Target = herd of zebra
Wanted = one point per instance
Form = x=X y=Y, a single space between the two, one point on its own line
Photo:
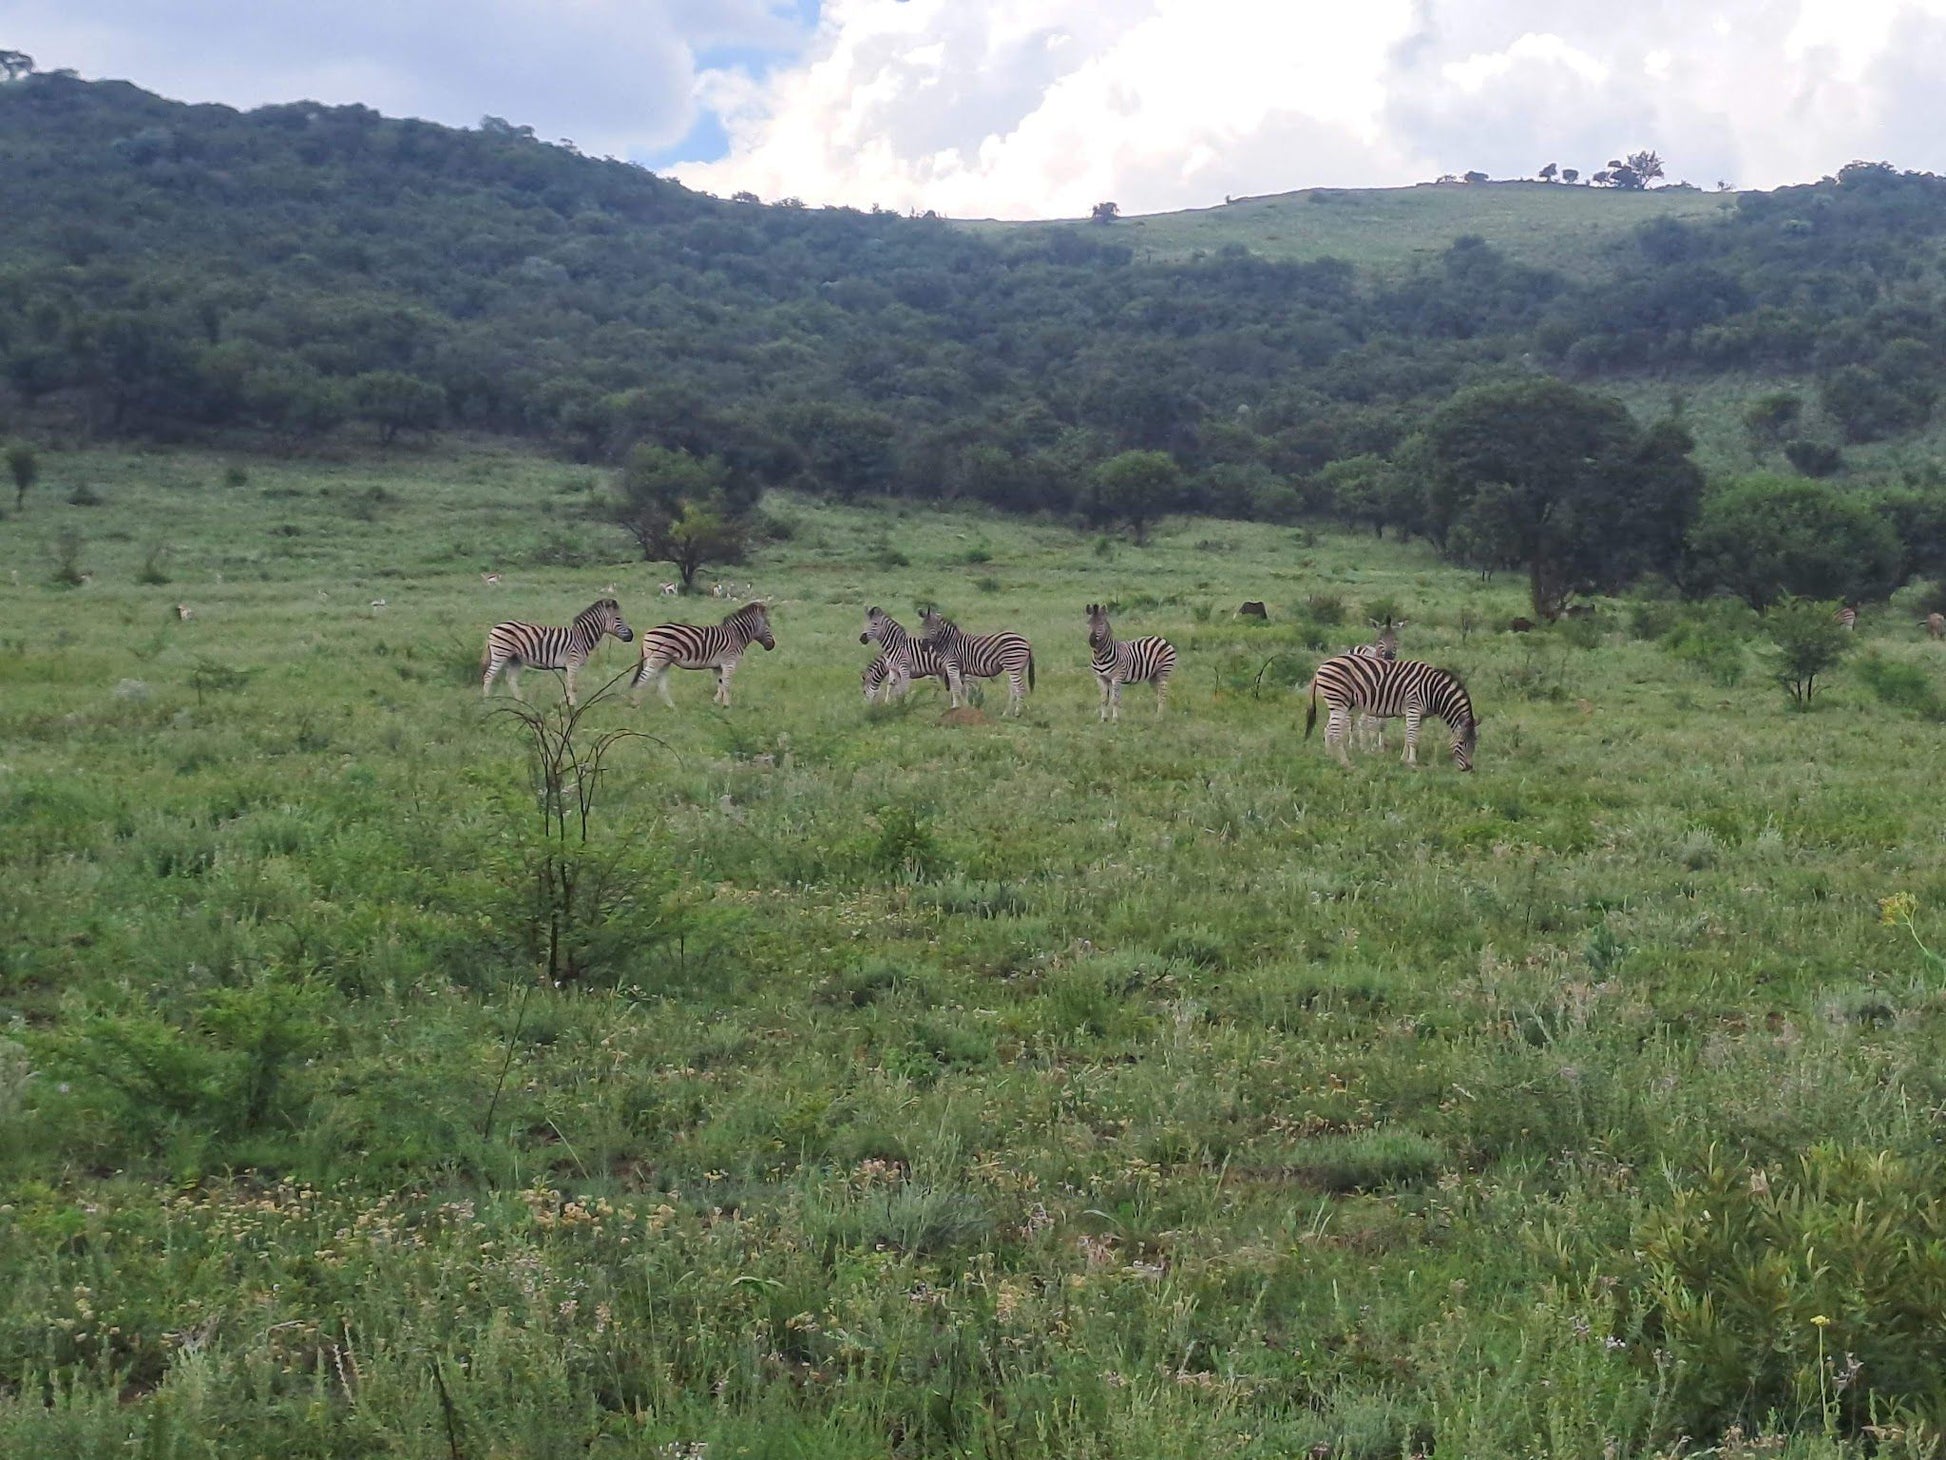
x=1369 y=682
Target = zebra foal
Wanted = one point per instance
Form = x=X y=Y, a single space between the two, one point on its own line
x=1117 y=663
x=515 y=646
x=984 y=657
x=901 y=658
x=1388 y=687
x=718 y=647
x=1369 y=730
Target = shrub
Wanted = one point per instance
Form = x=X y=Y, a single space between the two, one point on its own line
x=1809 y=641
x=1325 y=608
x=1903 y=686
x=1712 y=649
x=1813 y=458
x=1816 y=1289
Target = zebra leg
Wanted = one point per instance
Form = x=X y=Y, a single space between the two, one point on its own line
x=1411 y=736
x=722 y=695
x=1337 y=726
x=1161 y=694
x=1115 y=701
x=493 y=667
x=897 y=685
x=1016 y=693
x=1104 y=681
x=570 y=676
x=513 y=680
x=955 y=686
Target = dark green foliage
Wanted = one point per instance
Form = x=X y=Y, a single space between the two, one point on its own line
x=1135 y=487
x=679 y=510
x=1770 y=418
x=1765 y=537
x=1813 y=458
x=394 y=401
x=1540 y=474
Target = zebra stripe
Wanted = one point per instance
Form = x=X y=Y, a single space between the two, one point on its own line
x=1117 y=663
x=701 y=646
x=1369 y=730
x=924 y=664
x=901 y=658
x=1392 y=687
x=514 y=646
x=982 y=658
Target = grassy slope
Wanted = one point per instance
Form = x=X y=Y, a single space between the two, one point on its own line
x=1133 y=1090
x=1388 y=228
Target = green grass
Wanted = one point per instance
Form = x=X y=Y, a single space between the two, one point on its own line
x=1385 y=229
x=1038 y=1088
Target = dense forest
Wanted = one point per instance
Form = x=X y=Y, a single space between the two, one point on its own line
x=278 y=277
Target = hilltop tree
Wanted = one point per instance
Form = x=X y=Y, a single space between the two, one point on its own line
x=677 y=509
x=1476 y=177
x=1560 y=481
x=25 y=468
x=1570 y=174
x=1550 y=172
x=15 y=64
x=1646 y=166
x=1135 y=487
x=1105 y=212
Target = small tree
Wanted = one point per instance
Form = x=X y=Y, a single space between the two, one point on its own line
x=1475 y=177
x=1105 y=212
x=1809 y=640
x=674 y=506
x=1765 y=538
x=1570 y=174
x=15 y=64
x=394 y=401
x=1645 y=166
x=25 y=468
x=1550 y=172
x=1135 y=487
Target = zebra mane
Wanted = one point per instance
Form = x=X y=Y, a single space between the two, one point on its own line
x=755 y=609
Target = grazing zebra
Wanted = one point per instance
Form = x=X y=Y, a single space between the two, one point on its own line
x=1847 y=617
x=698 y=646
x=1117 y=663
x=517 y=646
x=1936 y=625
x=1390 y=687
x=983 y=658
x=926 y=664
x=1369 y=730
x=901 y=659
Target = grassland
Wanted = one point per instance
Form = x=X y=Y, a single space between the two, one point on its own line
x=1037 y=1088
x=1386 y=229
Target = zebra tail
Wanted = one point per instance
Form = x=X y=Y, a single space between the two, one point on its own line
x=1311 y=715
x=1030 y=668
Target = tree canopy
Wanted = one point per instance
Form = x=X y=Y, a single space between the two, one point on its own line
x=1765 y=538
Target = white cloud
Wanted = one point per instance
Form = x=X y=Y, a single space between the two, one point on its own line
x=617 y=76
x=1015 y=109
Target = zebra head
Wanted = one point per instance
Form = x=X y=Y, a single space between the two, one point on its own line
x=753 y=622
x=1466 y=740
x=878 y=623
x=604 y=616
x=933 y=626
x=1098 y=631
x=1387 y=642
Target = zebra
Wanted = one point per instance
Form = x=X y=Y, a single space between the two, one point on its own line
x=983 y=657
x=901 y=657
x=926 y=664
x=517 y=646
x=1117 y=663
x=1369 y=730
x=1388 y=687
x=1847 y=617
x=696 y=646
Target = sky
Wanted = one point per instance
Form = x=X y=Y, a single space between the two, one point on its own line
x=1042 y=108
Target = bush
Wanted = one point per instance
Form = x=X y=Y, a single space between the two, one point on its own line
x=1902 y=686
x=1809 y=640
x=1712 y=649
x=1325 y=608
x=1818 y=1289
x=1766 y=537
